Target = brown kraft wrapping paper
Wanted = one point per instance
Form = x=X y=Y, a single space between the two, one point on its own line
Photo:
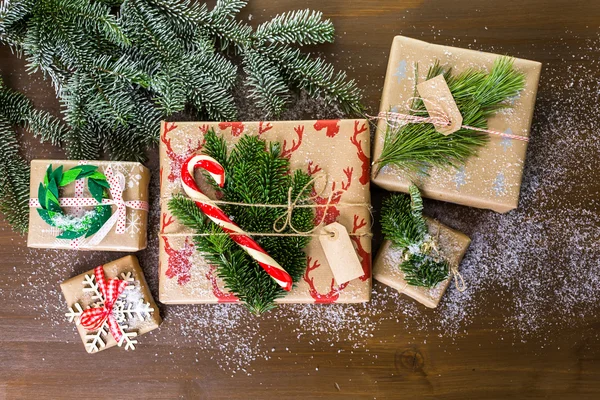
x=137 y=177
x=339 y=148
x=386 y=269
x=72 y=289
x=492 y=179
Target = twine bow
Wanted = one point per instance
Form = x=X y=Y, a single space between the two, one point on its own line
x=461 y=287
x=292 y=204
x=93 y=318
x=116 y=180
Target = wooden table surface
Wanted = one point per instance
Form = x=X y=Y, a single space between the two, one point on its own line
x=527 y=326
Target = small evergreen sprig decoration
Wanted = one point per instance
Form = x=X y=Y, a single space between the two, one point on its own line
x=17 y=111
x=414 y=147
x=403 y=224
x=255 y=173
x=121 y=66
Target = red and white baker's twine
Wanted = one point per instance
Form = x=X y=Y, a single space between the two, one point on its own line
x=438 y=117
x=116 y=182
x=92 y=319
x=217 y=215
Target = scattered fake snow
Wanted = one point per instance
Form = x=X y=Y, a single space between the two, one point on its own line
x=541 y=259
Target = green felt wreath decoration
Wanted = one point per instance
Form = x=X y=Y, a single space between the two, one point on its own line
x=73 y=227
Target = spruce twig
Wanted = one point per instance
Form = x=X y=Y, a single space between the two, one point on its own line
x=414 y=147
x=403 y=224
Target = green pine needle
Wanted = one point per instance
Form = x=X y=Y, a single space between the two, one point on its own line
x=423 y=270
x=403 y=224
x=256 y=173
x=14 y=180
x=414 y=147
x=297 y=27
x=16 y=110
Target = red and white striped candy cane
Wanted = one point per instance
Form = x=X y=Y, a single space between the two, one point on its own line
x=217 y=215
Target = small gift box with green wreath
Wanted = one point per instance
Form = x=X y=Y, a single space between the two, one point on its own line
x=88 y=205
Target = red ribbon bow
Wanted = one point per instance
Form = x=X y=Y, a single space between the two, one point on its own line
x=93 y=318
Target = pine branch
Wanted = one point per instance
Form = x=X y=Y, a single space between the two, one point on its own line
x=13 y=15
x=14 y=180
x=93 y=17
x=158 y=57
x=318 y=78
x=297 y=27
x=267 y=86
x=226 y=30
x=403 y=224
x=18 y=110
x=423 y=270
x=415 y=147
x=227 y=9
x=271 y=180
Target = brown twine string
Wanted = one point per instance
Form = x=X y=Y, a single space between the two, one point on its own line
x=332 y=234
x=437 y=117
x=290 y=206
x=453 y=266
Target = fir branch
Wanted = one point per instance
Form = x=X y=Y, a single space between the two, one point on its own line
x=414 y=147
x=14 y=180
x=154 y=58
x=93 y=17
x=270 y=181
x=226 y=30
x=423 y=270
x=401 y=220
x=267 y=86
x=18 y=110
x=317 y=77
x=403 y=224
x=12 y=17
x=297 y=27
x=227 y=9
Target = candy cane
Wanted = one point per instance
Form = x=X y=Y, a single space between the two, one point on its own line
x=217 y=215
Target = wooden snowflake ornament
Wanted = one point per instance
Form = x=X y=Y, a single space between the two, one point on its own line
x=111 y=305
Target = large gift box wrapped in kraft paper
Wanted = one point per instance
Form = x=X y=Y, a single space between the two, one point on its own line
x=492 y=178
x=338 y=149
x=452 y=246
x=69 y=216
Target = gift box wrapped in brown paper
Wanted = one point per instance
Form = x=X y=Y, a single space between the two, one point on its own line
x=386 y=269
x=136 y=305
x=125 y=230
x=337 y=148
x=492 y=179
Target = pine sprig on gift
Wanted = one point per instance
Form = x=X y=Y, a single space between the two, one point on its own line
x=403 y=224
x=17 y=111
x=255 y=173
x=121 y=66
x=414 y=147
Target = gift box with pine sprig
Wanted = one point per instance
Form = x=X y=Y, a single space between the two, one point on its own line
x=481 y=163
x=420 y=256
x=324 y=163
